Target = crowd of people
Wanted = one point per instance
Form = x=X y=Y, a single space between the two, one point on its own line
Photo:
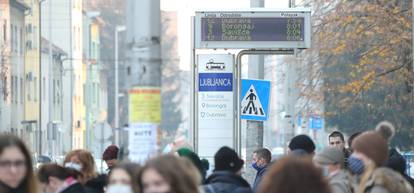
x=369 y=165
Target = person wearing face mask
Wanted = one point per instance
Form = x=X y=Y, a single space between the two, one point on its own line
x=331 y=161
x=16 y=169
x=57 y=179
x=123 y=178
x=261 y=159
x=169 y=174
x=367 y=163
x=82 y=161
x=336 y=139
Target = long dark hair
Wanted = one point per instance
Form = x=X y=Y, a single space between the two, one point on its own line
x=54 y=170
x=29 y=182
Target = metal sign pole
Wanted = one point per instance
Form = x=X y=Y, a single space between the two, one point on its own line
x=237 y=130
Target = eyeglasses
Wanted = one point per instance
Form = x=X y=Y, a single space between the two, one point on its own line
x=19 y=164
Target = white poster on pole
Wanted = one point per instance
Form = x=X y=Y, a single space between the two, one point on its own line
x=142 y=141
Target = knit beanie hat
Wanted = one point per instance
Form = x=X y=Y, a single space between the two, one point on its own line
x=226 y=159
x=194 y=158
x=303 y=142
x=111 y=152
x=329 y=156
x=374 y=144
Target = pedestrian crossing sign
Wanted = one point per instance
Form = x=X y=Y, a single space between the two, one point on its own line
x=254 y=99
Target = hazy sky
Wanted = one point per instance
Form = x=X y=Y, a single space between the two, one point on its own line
x=186 y=8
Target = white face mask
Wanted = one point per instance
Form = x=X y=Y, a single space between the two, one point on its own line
x=119 y=188
x=74 y=166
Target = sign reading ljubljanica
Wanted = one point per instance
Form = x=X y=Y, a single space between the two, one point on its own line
x=215 y=102
x=261 y=28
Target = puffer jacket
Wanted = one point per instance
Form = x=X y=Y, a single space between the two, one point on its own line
x=226 y=182
x=385 y=180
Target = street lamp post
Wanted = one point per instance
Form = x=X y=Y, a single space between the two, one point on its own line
x=116 y=113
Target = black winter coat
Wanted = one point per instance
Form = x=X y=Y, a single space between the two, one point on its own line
x=74 y=188
x=96 y=185
x=226 y=182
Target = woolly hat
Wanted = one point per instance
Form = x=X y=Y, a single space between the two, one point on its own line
x=194 y=158
x=374 y=144
x=303 y=142
x=226 y=159
x=111 y=152
x=330 y=156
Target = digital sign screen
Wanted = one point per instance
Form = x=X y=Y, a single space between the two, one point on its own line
x=253 y=29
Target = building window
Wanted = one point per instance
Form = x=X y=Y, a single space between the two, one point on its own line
x=12 y=89
x=21 y=41
x=58 y=91
x=54 y=91
x=15 y=39
x=21 y=91
x=74 y=37
x=44 y=89
x=35 y=88
x=12 y=38
x=35 y=38
x=79 y=39
x=5 y=31
x=29 y=89
x=16 y=89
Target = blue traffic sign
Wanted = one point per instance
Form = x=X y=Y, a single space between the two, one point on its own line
x=254 y=99
x=316 y=123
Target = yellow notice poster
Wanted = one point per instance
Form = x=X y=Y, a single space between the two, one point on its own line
x=145 y=105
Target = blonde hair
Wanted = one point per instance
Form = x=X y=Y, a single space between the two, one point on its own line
x=369 y=170
x=180 y=173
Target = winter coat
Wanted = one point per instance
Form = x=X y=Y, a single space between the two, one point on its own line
x=398 y=163
x=258 y=179
x=74 y=188
x=96 y=185
x=385 y=180
x=341 y=182
x=6 y=189
x=226 y=182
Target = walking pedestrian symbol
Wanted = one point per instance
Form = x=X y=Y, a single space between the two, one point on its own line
x=253 y=107
x=255 y=100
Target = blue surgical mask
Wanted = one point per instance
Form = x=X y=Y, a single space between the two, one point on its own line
x=256 y=167
x=356 y=165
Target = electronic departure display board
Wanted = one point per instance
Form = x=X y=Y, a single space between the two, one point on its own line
x=253 y=29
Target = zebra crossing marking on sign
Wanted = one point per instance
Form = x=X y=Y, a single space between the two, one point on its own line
x=255 y=100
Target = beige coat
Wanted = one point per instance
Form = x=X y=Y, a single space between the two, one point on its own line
x=384 y=180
